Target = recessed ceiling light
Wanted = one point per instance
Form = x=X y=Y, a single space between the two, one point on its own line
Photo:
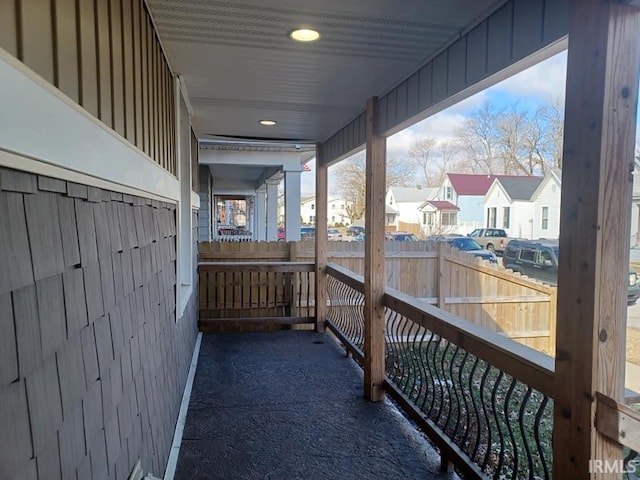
x=268 y=123
x=305 y=35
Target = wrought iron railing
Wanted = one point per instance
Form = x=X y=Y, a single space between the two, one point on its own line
x=256 y=292
x=482 y=398
x=345 y=315
x=631 y=464
x=501 y=424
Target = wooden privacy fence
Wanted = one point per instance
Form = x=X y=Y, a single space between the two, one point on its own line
x=487 y=295
x=483 y=399
x=243 y=287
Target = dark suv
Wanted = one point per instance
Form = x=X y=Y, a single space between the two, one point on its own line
x=539 y=259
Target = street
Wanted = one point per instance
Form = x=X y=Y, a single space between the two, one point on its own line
x=633 y=316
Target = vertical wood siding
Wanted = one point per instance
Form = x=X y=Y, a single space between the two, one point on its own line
x=512 y=33
x=106 y=57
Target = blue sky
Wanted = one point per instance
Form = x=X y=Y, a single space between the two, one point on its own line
x=544 y=82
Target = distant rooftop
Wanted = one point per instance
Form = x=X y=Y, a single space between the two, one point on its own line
x=520 y=188
x=413 y=194
x=440 y=205
x=470 y=184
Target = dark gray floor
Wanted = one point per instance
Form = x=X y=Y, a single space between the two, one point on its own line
x=289 y=405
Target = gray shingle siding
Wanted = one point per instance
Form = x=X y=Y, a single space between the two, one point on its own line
x=92 y=360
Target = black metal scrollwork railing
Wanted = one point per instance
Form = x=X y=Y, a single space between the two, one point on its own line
x=482 y=398
x=631 y=464
x=345 y=317
x=501 y=424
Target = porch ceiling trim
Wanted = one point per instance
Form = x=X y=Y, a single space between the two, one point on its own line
x=514 y=37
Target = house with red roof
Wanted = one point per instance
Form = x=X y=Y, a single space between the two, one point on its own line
x=438 y=217
x=467 y=192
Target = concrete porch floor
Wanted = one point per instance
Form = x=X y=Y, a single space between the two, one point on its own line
x=289 y=405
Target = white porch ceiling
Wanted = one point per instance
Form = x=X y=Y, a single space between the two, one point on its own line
x=239 y=65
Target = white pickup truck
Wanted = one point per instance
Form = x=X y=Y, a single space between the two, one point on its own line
x=492 y=239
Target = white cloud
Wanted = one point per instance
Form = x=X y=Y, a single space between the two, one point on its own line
x=542 y=82
x=440 y=127
x=545 y=81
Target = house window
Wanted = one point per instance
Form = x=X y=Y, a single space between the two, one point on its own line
x=491 y=217
x=505 y=217
x=449 y=218
x=448 y=193
x=312 y=219
x=333 y=206
x=424 y=218
x=313 y=207
x=545 y=218
x=342 y=206
x=333 y=219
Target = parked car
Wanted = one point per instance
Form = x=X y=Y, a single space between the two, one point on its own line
x=354 y=230
x=307 y=233
x=334 y=234
x=466 y=244
x=539 y=259
x=492 y=239
x=401 y=237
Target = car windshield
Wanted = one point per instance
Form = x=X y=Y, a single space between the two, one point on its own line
x=404 y=237
x=465 y=243
x=333 y=230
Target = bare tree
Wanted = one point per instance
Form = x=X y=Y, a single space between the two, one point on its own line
x=420 y=154
x=512 y=140
x=445 y=161
x=477 y=139
x=351 y=181
x=553 y=117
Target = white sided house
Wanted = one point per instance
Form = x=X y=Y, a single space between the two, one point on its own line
x=467 y=192
x=508 y=205
x=546 y=206
x=402 y=204
x=308 y=211
x=336 y=211
x=438 y=217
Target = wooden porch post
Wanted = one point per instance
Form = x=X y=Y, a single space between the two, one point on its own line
x=321 y=242
x=374 y=275
x=600 y=119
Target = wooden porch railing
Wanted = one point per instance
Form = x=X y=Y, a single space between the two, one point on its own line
x=238 y=294
x=485 y=400
x=622 y=425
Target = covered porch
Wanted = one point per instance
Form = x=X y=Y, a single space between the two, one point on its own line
x=122 y=127
x=250 y=391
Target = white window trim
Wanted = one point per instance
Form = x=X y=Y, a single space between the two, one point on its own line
x=43 y=131
x=184 y=237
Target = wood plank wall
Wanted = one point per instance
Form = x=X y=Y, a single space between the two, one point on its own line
x=512 y=33
x=106 y=57
x=518 y=307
